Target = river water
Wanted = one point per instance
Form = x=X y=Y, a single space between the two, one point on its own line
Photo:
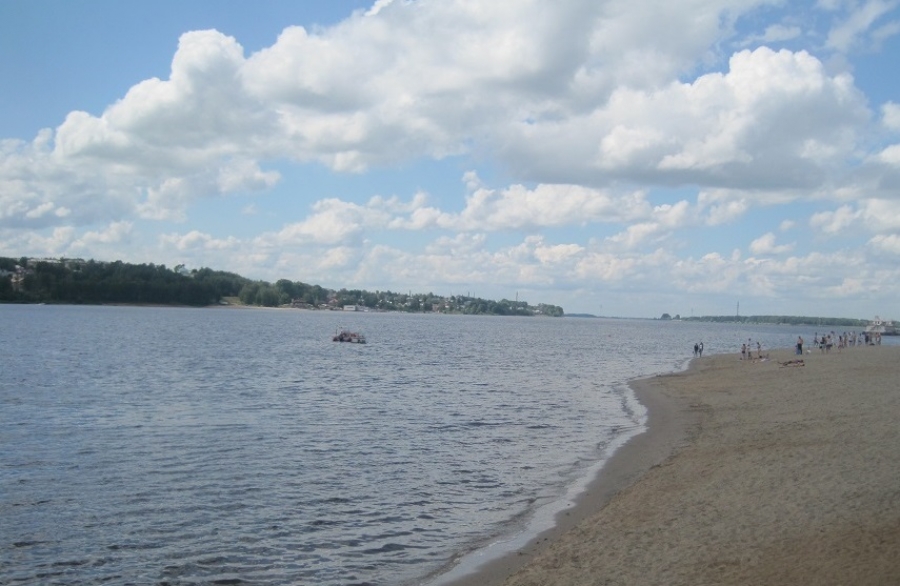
x=236 y=446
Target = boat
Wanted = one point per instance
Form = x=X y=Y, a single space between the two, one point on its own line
x=885 y=327
x=345 y=335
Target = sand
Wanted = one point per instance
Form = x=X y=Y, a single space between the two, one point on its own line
x=752 y=473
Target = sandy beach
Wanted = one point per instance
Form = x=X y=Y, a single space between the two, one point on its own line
x=752 y=472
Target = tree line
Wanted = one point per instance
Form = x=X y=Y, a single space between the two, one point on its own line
x=77 y=281
x=92 y=282
x=781 y=319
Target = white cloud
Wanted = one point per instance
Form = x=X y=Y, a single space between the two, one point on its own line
x=712 y=273
x=890 y=113
x=41 y=210
x=245 y=175
x=459 y=245
x=869 y=215
x=835 y=221
x=333 y=221
x=886 y=243
x=853 y=29
x=163 y=145
x=105 y=243
x=582 y=91
x=890 y=155
x=559 y=253
x=880 y=215
x=115 y=233
x=546 y=205
x=765 y=245
x=665 y=219
x=773 y=118
x=378 y=6
x=195 y=239
x=56 y=243
x=520 y=207
x=635 y=235
x=764 y=90
x=780 y=32
x=607 y=267
x=722 y=206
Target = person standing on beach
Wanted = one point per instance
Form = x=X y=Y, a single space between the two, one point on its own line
x=743 y=351
x=800 y=345
x=701 y=349
x=696 y=349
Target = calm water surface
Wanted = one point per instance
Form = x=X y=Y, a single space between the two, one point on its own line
x=216 y=446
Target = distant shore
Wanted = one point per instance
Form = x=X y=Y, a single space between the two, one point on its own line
x=752 y=472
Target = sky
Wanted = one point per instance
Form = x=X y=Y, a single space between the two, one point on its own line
x=616 y=157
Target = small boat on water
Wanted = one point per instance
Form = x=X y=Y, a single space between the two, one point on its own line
x=345 y=335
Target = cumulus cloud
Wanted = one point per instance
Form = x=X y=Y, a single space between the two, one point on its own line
x=886 y=243
x=115 y=233
x=196 y=239
x=162 y=146
x=548 y=91
x=834 y=222
x=334 y=220
x=607 y=267
x=593 y=113
x=558 y=253
x=546 y=205
x=890 y=155
x=775 y=118
x=765 y=245
x=880 y=215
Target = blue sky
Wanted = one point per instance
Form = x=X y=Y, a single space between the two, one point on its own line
x=623 y=157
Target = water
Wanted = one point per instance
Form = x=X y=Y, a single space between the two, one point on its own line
x=198 y=446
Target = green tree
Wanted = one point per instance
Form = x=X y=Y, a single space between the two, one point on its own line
x=288 y=288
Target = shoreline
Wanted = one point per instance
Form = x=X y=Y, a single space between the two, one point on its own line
x=669 y=426
x=787 y=476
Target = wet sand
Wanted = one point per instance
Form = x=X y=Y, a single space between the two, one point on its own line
x=752 y=472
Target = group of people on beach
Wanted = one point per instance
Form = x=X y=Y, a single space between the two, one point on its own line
x=747 y=350
x=824 y=343
x=830 y=340
x=698 y=349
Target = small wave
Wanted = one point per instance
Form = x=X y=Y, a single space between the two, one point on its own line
x=391 y=547
x=482 y=423
x=20 y=544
